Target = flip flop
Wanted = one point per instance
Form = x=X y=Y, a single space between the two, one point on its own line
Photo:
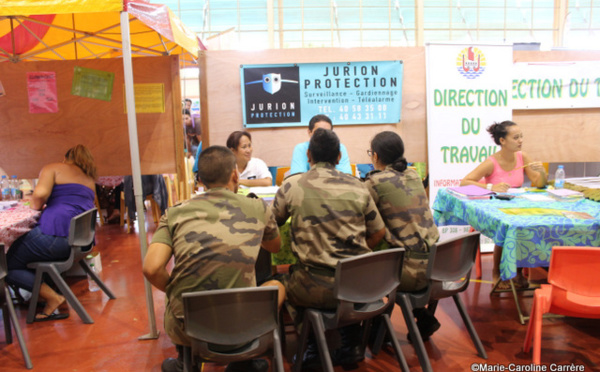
x=46 y=317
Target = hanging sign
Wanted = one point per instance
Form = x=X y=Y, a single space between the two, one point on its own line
x=554 y=85
x=41 y=91
x=348 y=92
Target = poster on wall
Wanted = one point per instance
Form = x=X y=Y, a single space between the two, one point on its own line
x=554 y=85
x=41 y=91
x=91 y=83
x=348 y=92
x=468 y=89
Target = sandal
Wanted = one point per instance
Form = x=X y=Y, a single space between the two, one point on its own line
x=45 y=317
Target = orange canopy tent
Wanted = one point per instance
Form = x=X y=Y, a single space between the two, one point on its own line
x=40 y=30
x=83 y=29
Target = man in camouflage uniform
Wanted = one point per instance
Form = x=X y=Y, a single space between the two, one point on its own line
x=215 y=239
x=332 y=217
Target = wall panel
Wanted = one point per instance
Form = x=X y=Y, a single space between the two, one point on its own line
x=29 y=141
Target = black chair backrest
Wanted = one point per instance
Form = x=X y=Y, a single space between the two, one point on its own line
x=230 y=316
x=366 y=280
x=454 y=258
x=83 y=228
x=453 y=262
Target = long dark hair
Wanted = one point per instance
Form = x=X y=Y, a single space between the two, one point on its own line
x=82 y=157
x=390 y=150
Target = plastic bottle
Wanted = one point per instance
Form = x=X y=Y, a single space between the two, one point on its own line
x=92 y=285
x=559 y=177
x=15 y=190
x=5 y=188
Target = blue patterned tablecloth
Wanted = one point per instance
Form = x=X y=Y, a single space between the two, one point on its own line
x=527 y=241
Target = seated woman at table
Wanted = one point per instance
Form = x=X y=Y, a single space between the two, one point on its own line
x=503 y=170
x=402 y=202
x=253 y=171
x=65 y=189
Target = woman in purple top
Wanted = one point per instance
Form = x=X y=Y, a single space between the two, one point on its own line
x=65 y=189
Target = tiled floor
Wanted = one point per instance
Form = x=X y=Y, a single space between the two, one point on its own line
x=111 y=343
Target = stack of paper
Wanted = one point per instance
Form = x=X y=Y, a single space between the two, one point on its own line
x=565 y=194
x=8 y=204
x=470 y=192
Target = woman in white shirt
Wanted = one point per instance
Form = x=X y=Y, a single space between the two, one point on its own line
x=253 y=171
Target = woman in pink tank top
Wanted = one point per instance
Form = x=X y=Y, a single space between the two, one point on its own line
x=503 y=170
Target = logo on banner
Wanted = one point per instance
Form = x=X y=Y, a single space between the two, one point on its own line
x=271 y=95
x=272 y=82
x=471 y=62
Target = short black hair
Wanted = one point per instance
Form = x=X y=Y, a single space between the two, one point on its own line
x=215 y=165
x=317 y=118
x=187 y=100
x=499 y=130
x=233 y=141
x=324 y=146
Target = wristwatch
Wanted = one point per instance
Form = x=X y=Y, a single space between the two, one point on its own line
x=489 y=186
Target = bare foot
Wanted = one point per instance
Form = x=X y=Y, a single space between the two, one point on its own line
x=51 y=305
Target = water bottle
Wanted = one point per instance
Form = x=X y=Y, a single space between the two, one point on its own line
x=15 y=190
x=92 y=285
x=559 y=177
x=5 y=188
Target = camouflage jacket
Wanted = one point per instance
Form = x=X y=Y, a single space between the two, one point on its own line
x=331 y=215
x=216 y=238
x=403 y=204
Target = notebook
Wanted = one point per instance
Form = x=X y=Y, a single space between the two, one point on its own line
x=471 y=192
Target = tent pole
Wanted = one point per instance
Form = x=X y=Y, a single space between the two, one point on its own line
x=135 y=164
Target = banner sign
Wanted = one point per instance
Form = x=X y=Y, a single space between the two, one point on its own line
x=554 y=85
x=468 y=89
x=348 y=92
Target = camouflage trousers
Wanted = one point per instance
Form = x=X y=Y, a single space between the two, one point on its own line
x=306 y=289
x=414 y=268
x=175 y=329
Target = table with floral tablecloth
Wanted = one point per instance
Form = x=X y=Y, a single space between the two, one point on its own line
x=15 y=222
x=526 y=229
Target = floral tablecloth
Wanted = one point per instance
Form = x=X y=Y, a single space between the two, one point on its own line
x=15 y=222
x=110 y=181
x=527 y=239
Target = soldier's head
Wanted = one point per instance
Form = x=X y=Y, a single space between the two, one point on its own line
x=217 y=168
x=319 y=121
x=387 y=148
x=324 y=146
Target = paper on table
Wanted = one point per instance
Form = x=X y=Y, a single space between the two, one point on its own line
x=519 y=190
x=7 y=204
x=264 y=190
x=537 y=197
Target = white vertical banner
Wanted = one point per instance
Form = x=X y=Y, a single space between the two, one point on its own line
x=468 y=89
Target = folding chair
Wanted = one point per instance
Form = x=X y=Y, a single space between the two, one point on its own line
x=8 y=311
x=81 y=238
x=361 y=284
x=230 y=325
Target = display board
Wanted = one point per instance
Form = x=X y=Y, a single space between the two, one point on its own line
x=31 y=140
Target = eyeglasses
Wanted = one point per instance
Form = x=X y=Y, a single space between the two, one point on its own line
x=370 y=152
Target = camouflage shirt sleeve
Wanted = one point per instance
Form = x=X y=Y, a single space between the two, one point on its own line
x=373 y=219
x=271 y=228
x=280 y=208
x=162 y=233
